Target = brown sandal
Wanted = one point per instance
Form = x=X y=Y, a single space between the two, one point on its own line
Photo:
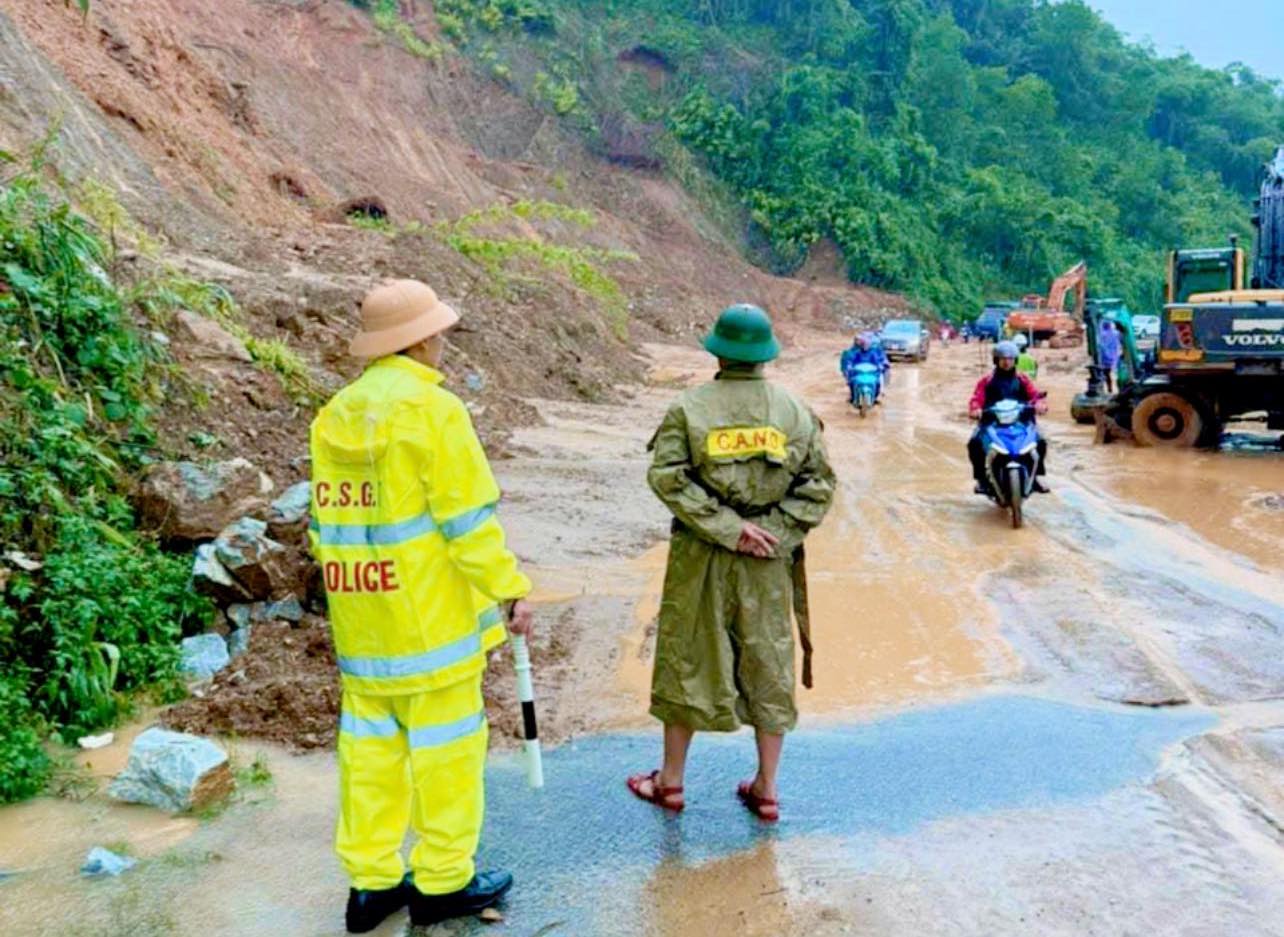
x=660 y=796
x=764 y=808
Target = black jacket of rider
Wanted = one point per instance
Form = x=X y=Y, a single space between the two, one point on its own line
x=1005 y=385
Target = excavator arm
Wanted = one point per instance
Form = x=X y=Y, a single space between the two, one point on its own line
x=1075 y=279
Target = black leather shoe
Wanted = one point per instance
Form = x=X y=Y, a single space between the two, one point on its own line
x=367 y=909
x=1041 y=488
x=980 y=489
x=483 y=891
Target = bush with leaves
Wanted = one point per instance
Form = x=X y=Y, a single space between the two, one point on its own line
x=24 y=764
x=95 y=610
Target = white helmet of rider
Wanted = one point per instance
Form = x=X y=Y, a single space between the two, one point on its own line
x=1020 y=340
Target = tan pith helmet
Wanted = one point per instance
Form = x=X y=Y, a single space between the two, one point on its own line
x=397 y=315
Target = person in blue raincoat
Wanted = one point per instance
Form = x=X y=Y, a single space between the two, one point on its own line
x=863 y=351
x=1110 y=345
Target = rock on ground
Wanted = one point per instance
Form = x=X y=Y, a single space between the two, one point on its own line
x=102 y=861
x=292 y=506
x=188 y=503
x=210 y=577
x=204 y=655
x=200 y=337
x=173 y=771
x=238 y=642
x=286 y=609
x=254 y=559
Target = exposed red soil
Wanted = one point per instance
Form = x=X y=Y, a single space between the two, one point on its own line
x=240 y=132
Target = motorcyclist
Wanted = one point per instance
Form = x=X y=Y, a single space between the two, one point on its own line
x=1005 y=382
x=863 y=351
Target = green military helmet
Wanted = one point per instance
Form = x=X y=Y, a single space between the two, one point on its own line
x=743 y=333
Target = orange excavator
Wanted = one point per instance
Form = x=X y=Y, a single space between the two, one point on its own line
x=1050 y=318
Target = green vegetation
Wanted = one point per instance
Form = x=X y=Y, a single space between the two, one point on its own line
x=89 y=610
x=161 y=296
x=580 y=265
x=258 y=773
x=388 y=18
x=951 y=149
x=460 y=18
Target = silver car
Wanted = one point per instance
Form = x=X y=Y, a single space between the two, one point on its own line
x=905 y=339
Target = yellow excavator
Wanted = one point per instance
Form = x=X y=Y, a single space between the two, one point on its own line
x=1220 y=354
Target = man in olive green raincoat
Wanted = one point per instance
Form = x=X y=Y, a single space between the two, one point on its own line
x=741 y=464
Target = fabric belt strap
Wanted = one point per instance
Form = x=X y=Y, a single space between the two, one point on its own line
x=801 y=612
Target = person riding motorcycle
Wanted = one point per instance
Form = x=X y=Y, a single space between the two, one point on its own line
x=863 y=351
x=1005 y=382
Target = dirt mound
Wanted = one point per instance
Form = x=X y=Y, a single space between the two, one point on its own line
x=285 y=689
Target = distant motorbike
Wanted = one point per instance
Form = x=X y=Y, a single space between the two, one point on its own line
x=866 y=380
x=1011 y=455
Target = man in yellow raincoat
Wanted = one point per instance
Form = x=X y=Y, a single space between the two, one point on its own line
x=419 y=586
x=742 y=466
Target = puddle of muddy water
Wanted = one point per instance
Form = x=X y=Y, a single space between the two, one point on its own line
x=1221 y=496
x=854 y=782
x=586 y=853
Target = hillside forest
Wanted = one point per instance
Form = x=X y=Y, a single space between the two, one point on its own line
x=952 y=150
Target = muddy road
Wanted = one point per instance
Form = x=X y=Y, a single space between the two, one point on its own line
x=1073 y=728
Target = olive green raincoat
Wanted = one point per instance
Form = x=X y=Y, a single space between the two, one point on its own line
x=735 y=449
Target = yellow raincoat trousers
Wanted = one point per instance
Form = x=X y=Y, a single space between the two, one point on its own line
x=415 y=570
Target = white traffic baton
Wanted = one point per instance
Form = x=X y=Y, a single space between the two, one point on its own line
x=526 y=693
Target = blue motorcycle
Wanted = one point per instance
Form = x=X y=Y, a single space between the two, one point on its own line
x=1011 y=454
x=866 y=381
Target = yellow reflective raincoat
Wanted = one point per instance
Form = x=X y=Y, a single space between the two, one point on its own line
x=404 y=526
x=415 y=570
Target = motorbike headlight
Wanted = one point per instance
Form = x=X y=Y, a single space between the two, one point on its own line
x=997 y=449
x=1026 y=450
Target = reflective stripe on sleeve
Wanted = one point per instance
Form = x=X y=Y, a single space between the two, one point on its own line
x=367 y=728
x=430 y=736
x=415 y=665
x=360 y=535
x=467 y=522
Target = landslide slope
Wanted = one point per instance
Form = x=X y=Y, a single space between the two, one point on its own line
x=249 y=135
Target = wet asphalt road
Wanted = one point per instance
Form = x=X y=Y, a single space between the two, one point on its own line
x=1071 y=729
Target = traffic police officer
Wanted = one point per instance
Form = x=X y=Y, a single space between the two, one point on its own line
x=419 y=585
x=742 y=466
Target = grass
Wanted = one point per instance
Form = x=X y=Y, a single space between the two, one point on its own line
x=100 y=205
x=387 y=18
x=257 y=773
x=132 y=910
x=581 y=265
x=72 y=781
x=372 y=223
x=183 y=858
x=172 y=291
x=254 y=784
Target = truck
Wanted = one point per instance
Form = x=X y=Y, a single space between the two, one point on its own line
x=1220 y=354
x=993 y=318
